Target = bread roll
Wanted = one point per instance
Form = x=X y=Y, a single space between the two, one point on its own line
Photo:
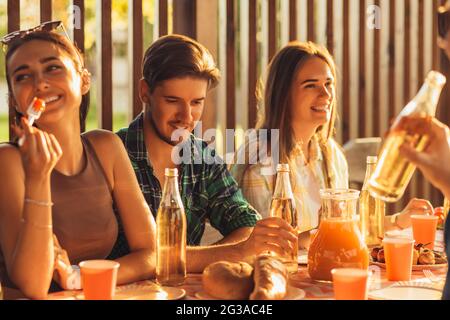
x=270 y=278
x=228 y=280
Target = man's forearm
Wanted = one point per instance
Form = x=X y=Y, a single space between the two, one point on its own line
x=236 y=236
x=198 y=258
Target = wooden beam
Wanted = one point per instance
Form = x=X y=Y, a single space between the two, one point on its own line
x=230 y=69
x=13 y=10
x=406 y=80
x=376 y=80
x=135 y=53
x=78 y=33
x=420 y=182
x=162 y=18
x=105 y=63
x=272 y=28
x=311 y=31
x=391 y=52
x=292 y=20
x=362 y=71
x=252 y=65
x=330 y=32
x=185 y=17
x=346 y=75
x=46 y=10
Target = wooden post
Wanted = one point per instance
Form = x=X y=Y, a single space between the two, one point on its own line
x=13 y=8
x=46 y=10
x=104 y=62
x=185 y=17
x=230 y=69
x=135 y=54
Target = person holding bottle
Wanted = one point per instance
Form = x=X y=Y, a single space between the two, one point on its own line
x=177 y=74
x=300 y=101
x=62 y=192
x=430 y=161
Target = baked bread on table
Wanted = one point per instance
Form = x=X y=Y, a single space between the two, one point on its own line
x=271 y=278
x=267 y=280
x=228 y=280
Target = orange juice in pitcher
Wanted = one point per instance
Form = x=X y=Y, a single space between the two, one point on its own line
x=338 y=242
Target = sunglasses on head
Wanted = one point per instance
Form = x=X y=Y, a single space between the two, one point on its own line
x=46 y=26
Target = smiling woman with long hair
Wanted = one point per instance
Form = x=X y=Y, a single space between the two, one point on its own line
x=64 y=197
x=300 y=102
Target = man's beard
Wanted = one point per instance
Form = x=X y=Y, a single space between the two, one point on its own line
x=160 y=135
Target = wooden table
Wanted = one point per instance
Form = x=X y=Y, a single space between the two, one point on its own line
x=313 y=290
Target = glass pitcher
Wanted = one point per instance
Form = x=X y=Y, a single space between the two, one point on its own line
x=338 y=242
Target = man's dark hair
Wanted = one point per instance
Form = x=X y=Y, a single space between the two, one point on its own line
x=177 y=56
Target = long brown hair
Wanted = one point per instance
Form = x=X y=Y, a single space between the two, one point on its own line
x=64 y=43
x=276 y=111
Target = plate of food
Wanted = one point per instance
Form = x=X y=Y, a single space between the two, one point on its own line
x=423 y=258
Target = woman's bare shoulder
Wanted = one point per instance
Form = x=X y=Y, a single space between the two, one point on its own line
x=11 y=167
x=103 y=138
x=9 y=154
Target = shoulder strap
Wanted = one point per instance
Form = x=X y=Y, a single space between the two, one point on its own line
x=90 y=147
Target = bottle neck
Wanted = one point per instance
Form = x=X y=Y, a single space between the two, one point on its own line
x=283 y=186
x=425 y=102
x=369 y=170
x=171 y=191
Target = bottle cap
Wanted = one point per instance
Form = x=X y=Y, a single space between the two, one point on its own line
x=283 y=167
x=372 y=159
x=171 y=172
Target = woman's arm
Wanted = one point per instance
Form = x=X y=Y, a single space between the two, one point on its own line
x=402 y=219
x=26 y=233
x=138 y=222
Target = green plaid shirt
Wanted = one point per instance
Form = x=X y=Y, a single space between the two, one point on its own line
x=208 y=190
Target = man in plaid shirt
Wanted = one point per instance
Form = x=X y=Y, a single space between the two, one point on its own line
x=177 y=73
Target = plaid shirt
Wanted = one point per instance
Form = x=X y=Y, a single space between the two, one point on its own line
x=208 y=191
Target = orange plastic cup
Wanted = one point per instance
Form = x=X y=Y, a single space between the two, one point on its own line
x=99 y=279
x=398 y=256
x=350 y=283
x=424 y=229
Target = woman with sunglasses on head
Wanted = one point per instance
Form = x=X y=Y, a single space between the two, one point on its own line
x=60 y=186
x=300 y=101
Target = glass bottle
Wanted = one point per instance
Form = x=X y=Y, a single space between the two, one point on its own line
x=371 y=210
x=446 y=208
x=393 y=172
x=283 y=206
x=338 y=242
x=171 y=234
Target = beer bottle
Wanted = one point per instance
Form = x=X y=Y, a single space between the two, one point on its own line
x=393 y=172
x=283 y=206
x=171 y=234
x=371 y=210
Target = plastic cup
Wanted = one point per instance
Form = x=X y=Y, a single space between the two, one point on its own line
x=99 y=279
x=350 y=283
x=424 y=229
x=398 y=253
